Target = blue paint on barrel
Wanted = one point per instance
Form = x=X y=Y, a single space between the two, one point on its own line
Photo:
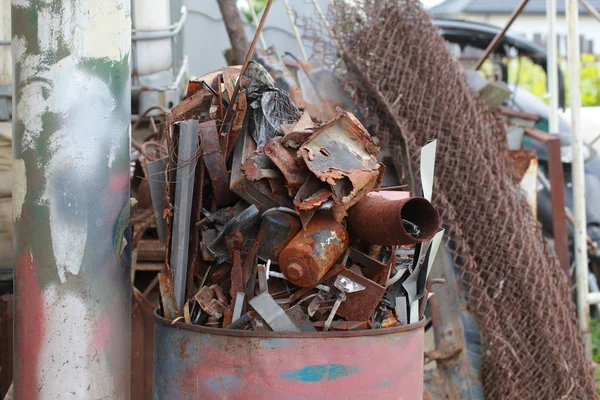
x=318 y=373
x=384 y=383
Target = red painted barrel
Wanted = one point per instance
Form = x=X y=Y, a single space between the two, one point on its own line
x=197 y=362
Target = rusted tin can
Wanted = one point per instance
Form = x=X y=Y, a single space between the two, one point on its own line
x=313 y=251
x=277 y=229
x=198 y=362
x=378 y=219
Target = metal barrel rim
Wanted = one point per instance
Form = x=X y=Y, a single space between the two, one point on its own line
x=291 y=335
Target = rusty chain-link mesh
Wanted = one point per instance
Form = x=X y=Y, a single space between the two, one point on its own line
x=411 y=91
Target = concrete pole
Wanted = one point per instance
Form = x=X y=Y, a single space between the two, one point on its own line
x=581 y=259
x=552 y=66
x=71 y=198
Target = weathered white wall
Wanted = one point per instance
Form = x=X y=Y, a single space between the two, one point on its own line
x=205 y=38
x=528 y=25
x=5 y=52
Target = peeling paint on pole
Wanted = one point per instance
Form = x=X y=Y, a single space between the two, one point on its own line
x=71 y=149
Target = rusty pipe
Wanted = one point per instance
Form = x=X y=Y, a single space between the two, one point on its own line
x=382 y=221
x=314 y=250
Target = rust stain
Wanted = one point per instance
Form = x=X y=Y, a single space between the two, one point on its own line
x=360 y=306
x=215 y=163
x=183 y=343
x=520 y=160
x=342 y=153
x=29 y=332
x=313 y=251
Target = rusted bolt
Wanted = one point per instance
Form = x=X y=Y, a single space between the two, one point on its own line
x=295 y=271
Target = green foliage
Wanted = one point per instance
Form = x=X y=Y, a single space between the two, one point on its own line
x=590 y=80
x=595 y=328
x=258 y=5
x=524 y=73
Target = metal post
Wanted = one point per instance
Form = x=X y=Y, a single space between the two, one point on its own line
x=581 y=258
x=295 y=29
x=71 y=203
x=552 y=66
x=590 y=9
x=500 y=34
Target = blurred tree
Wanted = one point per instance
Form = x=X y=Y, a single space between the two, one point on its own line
x=531 y=77
x=235 y=29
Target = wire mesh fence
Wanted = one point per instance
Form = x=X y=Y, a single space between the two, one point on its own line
x=410 y=89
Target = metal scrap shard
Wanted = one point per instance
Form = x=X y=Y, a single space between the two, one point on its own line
x=259 y=193
x=297 y=133
x=310 y=196
x=273 y=314
x=192 y=106
x=361 y=305
x=184 y=189
x=215 y=163
x=291 y=166
x=342 y=153
x=258 y=166
x=167 y=295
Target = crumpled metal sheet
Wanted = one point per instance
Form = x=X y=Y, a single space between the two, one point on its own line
x=342 y=153
x=192 y=106
x=297 y=133
x=258 y=166
x=311 y=195
x=248 y=183
x=291 y=166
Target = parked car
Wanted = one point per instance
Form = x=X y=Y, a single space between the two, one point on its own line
x=468 y=40
x=472 y=38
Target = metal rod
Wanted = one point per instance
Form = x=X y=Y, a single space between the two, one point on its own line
x=71 y=199
x=552 y=65
x=593 y=298
x=581 y=255
x=263 y=43
x=295 y=29
x=590 y=9
x=326 y=23
x=236 y=90
x=556 y=189
x=500 y=34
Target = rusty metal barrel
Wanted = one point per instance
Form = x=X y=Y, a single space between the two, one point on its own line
x=199 y=362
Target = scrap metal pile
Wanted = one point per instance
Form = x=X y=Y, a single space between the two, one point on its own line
x=274 y=222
